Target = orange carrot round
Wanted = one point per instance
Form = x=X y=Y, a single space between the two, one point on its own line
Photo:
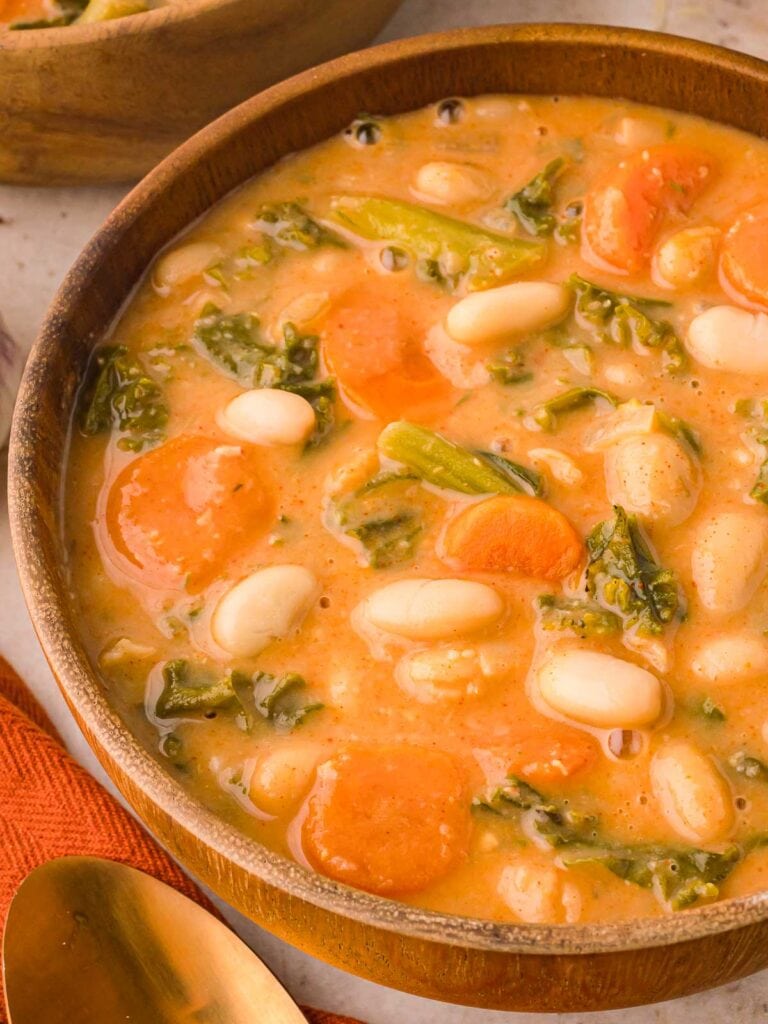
x=179 y=511
x=626 y=208
x=513 y=533
x=550 y=752
x=374 y=348
x=388 y=819
x=744 y=257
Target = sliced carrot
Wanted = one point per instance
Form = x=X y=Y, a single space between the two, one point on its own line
x=513 y=533
x=626 y=208
x=373 y=343
x=179 y=511
x=387 y=819
x=550 y=752
x=25 y=10
x=744 y=256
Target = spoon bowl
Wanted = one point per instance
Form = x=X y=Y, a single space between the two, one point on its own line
x=89 y=940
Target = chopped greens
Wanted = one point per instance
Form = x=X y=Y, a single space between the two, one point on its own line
x=584 y=618
x=290 y=226
x=382 y=516
x=279 y=700
x=623 y=320
x=509 y=368
x=180 y=696
x=445 y=464
x=709 y=710
x=757 y=410
x=623 y=574
x=124 y=397
x=748 y=766
x=545 y=414
x=234 y=344
x=532 y=205
x=679 y=877
x=447 y=250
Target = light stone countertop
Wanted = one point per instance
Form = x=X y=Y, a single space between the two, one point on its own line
x=41 y=233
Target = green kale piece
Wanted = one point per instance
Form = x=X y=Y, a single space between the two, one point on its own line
x=546 y=413
x=291 y=226
x=748 y=766
x=583 y=618
x=679 y=877
x=623 y=574
x=532 y=205
x=709 y=710
x=278 y=700
x=569 y=226
x=757 y=410
x=521 y=477
x=383 y=516
x=509 y=368
x=233 y=343
x=182 y=697
x=122 y=396
x=623 y=320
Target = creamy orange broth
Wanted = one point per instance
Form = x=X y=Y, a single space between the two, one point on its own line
x=266 y=780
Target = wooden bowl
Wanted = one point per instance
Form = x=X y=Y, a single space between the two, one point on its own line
x=463 y=960
x=107 y=101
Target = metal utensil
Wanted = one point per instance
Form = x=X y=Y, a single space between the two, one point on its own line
x=89 y=941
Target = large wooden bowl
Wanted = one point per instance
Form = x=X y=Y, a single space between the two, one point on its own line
x=107 y=101
x=509 y=966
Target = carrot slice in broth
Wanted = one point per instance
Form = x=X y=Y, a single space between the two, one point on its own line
x=387 y=819
x=744 y=257
x=180 y=511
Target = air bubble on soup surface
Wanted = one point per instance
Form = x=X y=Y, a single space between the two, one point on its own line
x=730 y=339
x=728 y=560
x=599 y=689
x=433 y=609
x=731 y=657
x=652 y=476
x=265 y=606
x=693 y=795
x=388 y=819
x=181 y=511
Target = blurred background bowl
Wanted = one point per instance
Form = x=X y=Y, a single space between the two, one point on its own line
x=106 y=101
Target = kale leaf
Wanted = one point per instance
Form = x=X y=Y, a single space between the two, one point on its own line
x=278 y=700
x=532 y=205
x=180 y=696
x=291 y=226
x=748 y=766
x=546 y=413
x=623 y=574
x=383 y=517
x=624 y=320
x=583 y=618
x=121 y=395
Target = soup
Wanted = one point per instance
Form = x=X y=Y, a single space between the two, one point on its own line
x=29 y=14
x=416 y=512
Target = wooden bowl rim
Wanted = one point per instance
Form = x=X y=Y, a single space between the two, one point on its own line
x=66 y=657
x=63 y=37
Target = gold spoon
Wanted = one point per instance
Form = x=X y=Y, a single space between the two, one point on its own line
x=89 y=941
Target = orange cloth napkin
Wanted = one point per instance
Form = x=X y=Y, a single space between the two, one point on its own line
x=51 y=807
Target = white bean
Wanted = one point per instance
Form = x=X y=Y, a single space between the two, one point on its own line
x=186 y=262
x=728 y=559
x=652 y=476
x=629 y=418
x=600 y=690
x=304 y=308
x=693 y=795
x=267 y=605
x=509 y=309
x=731 y=339
x=537 y=892
x=268 y=416
x=424 y=609
x=440 y=673
x=446 y=182
x=687 y=257
x=731 y=657
x=639 y=132
x=283 y=775
x=561 y=466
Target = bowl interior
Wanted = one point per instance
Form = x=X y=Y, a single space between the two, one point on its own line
x=401 y=76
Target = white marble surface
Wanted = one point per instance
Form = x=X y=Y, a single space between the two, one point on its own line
x=41 y=232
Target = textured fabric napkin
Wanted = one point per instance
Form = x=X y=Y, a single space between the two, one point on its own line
x=51 y=807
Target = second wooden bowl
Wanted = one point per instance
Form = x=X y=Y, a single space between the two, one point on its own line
x=107 y=101
x=504 y=966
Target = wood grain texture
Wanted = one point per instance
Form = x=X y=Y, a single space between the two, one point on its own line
x=107 y=101
x=504 y=966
